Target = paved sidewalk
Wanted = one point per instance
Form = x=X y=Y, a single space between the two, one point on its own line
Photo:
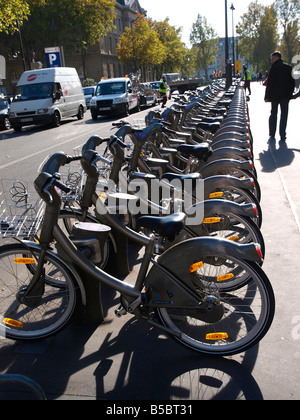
x=124 y=359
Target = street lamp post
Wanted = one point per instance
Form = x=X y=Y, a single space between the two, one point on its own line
x=233 y=43
x=21 y=44
x=227 y=59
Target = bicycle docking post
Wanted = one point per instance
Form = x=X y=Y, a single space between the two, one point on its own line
x=118 y=263
x=90 y=238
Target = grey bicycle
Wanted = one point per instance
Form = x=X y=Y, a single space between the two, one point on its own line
x=178 y=291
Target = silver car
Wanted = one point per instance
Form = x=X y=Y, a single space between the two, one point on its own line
x=89 y=92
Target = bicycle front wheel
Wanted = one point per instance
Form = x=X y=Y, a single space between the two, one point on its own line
x=18 y=321
x=238 y=317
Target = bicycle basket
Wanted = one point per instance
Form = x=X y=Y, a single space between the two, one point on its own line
x=73 y=176
x=21 y=209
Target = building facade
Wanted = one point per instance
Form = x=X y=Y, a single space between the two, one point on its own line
x=101 y=59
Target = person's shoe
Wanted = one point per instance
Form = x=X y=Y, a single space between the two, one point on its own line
x=271 y=140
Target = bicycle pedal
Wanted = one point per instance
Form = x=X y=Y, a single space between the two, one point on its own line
x=120 y=311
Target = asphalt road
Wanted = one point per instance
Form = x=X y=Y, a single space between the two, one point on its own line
x=22 y=153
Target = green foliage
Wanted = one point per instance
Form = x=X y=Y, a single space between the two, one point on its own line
x=175 y=50
x=73 y=24
x=259 y=35
x=141 y=45
x=88 y=82
x=204 y=40
x=288 y=14
x=12 y=11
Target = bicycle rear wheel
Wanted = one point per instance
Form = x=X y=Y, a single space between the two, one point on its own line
x=239 y=317
x=18 y=321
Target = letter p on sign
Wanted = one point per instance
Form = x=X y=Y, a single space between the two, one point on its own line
x=53 y=57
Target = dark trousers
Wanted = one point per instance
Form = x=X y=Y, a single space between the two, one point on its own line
x=164 y=98
x=247 y=86
x=284 y=110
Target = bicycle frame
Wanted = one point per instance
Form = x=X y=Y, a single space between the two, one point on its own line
x=132 y=296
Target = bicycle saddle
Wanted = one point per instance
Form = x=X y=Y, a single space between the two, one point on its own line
x=176 y=142
x=142 y=176
x=166 y=226
x=201 y=151
x=182 y=177
x=205 y=119
x=211 y=127
x=184 y=135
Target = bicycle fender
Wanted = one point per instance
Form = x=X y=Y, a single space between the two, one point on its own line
x=224 y=164
x=230 y=134
x=225 y=206
x=216 y=182
x=240 y=144
x=229 y=152
x=69 y=268
x=170 y=282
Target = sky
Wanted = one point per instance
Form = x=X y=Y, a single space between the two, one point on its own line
x=184 y=13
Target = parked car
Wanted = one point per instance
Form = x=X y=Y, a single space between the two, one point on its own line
x=114 y=96
x=89 y=92
x=155 y=86
x=4 y=111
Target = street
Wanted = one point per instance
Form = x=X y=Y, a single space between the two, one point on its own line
x=22 y=153
x=124 y=359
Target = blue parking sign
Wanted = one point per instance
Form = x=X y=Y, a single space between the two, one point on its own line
x=53 y=57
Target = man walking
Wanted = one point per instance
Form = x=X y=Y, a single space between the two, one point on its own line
x=279 y=91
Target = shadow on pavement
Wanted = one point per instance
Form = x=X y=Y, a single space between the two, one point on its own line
x=276 y=157
x=133 y=362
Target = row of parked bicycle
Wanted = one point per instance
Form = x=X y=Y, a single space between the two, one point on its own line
x=185 y=188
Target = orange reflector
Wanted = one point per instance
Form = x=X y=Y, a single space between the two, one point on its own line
x=24 y=260
x=216 y=195
x=196 y=266
x=216 y=336
x=13 y=322
x=209 y=220
x=233 y=238
x=225 y=277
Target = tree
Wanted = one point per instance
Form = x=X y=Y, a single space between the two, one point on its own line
x=204 y=40
x=12 y=14
x=175 y=50
x=268 y=39
x=288 y=13
x=73 y=24
x=257 y=33
x=90 y=20
x=189 y=65
x=140 y=45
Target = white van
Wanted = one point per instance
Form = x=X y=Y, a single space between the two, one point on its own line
x=114 y=96
x=46 y=96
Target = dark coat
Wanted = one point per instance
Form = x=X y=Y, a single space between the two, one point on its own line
x=280 y=84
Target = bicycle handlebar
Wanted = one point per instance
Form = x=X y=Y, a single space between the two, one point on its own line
x=45 y=185
x=94 y=142
x=57 y=160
